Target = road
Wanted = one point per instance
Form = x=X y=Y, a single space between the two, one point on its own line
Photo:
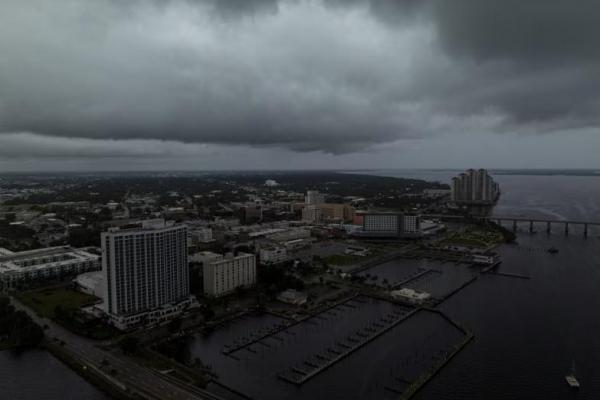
x=136 y=378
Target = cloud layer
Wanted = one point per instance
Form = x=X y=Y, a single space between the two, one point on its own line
x=304 y=75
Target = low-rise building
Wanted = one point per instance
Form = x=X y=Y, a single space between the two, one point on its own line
x=200 y=235
x=270 y=255
x=223 y=274
x=45 y=263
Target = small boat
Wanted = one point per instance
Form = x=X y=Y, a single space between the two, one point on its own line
x=552 y=250
x=571 y=379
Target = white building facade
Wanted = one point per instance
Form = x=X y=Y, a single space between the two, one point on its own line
x=223 y=274
x=45 y=263
x=146 y=272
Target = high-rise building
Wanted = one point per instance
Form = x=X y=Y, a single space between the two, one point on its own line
x=474 y=186
x=313 y=197
x=145 y=267
x=223 y=274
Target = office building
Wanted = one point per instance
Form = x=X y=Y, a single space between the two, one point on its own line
x=223 y=274
x=43 y=264
x=145 y=268
x=474 y=187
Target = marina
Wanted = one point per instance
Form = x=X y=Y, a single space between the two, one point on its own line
x=396 y=342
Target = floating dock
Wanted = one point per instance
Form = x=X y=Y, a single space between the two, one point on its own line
x=318 y=363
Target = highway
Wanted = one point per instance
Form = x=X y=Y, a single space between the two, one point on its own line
x=147 y=383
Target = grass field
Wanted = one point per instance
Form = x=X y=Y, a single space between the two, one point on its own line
x=44 y=302
x=473 y=238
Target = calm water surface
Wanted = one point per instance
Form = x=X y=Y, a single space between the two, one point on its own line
x=37 y=375
x=529 y=332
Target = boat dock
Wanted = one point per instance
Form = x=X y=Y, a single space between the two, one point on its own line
x=317 y=363
x=260 y=335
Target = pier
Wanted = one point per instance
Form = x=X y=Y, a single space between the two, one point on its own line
x=421 y=274
x=258 y=336
x=510 y=275
x=343 y=347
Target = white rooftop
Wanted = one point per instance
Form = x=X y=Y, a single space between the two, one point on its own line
x=25 y=261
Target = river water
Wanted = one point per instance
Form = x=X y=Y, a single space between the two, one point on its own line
x=37 y=375
x=528 y=333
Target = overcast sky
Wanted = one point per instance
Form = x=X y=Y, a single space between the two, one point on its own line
x=272 y=84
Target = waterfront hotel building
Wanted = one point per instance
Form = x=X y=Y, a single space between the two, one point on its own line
x=474 y=187
x=145 y=268
x=389 y=225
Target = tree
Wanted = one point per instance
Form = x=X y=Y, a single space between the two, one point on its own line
x=129 y=345
x=174 y=325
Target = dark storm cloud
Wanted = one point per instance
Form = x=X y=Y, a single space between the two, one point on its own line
x=236 y=8
x=330 y=75
x=533 y=31
x=536 y=62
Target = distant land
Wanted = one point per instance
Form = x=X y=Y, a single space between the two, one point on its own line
x=569 y=172
x=274 y=172
x=493 y=171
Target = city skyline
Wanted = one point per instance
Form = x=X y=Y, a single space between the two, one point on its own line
x=258 y=199
x=280 y=84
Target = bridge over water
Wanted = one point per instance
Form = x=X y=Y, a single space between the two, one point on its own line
x=515 y=221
